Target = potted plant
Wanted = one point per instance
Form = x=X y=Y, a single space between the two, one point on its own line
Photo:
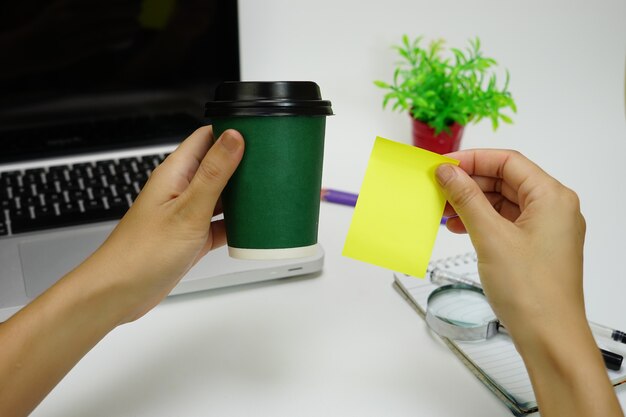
x=443 y=94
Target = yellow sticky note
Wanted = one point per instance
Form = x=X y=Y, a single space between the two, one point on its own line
x=399 y=209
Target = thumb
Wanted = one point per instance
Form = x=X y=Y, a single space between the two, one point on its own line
x=467 y=199
x=213 y=173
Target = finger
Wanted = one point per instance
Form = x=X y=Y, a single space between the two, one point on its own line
x=467 y=199
x=219 y=164
x=455 y=225
x=218 y=207
x=507 y=209
x=172 y=177
x=509 y=165
x=449 y=211
x=496 y=185
x=526 y=180
x=199 y=142
x=189 y=154
x=218 y=231
x=217 y=238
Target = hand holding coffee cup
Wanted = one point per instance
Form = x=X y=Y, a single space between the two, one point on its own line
x=271 y=203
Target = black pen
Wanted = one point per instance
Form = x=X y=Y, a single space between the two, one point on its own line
x=607 y=332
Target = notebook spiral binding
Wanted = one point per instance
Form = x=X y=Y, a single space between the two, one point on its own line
x=451 y=261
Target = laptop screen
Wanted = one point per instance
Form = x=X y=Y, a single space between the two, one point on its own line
x=79 y=75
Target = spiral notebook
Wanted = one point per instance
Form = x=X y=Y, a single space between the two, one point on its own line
x=495 y=362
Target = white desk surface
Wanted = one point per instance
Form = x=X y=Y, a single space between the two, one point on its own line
x=342 y=343
x=345 y=343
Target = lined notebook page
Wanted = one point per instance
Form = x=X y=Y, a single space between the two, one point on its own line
x=495 y=361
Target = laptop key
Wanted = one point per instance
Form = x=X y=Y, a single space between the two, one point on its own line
x=70 y=215
x=69 y=209
x=9 y=178
x=118 y=210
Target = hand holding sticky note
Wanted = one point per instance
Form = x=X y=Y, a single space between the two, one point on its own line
x=397 y=215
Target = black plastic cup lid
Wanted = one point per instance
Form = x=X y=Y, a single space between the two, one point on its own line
x=267 y=98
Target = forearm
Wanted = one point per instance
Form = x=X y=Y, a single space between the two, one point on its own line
x=42 y=342
x=162 y=235
x=568 y=374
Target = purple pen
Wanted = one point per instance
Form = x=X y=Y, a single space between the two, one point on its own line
x=339 y=197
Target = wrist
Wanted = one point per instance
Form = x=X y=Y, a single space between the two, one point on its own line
x=104 y=285
x=567 y=371
x=565 y=351
x=134 y=275
x=109 y=278
x=96 y=293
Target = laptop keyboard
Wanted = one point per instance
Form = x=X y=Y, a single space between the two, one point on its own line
x=67 y=195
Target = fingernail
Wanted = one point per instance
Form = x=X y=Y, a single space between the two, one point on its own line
x=229 y=141
x=445 y=173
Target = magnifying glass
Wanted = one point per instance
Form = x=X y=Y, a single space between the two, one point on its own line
x=461 y=312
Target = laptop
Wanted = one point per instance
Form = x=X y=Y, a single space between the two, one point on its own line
x=93 y=98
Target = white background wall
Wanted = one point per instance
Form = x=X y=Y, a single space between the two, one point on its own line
x=566 y=59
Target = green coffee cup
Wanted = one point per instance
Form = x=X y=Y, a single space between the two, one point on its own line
x=271 y=203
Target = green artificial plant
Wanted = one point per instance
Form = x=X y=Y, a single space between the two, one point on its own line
x=440 y=91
